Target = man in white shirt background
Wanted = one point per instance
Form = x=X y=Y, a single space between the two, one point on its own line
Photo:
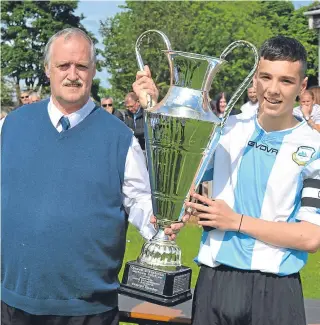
x=252 y=104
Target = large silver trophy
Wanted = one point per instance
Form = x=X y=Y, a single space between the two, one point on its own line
x=181 y=135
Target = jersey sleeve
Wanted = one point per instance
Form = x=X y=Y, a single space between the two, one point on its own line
x=310 y=198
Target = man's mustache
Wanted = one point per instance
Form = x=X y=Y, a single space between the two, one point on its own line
x=72 y=83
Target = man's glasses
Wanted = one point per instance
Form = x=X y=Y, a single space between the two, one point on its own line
x=23 y=97
x=105 y=105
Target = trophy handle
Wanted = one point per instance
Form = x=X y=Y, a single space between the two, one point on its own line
x=215 y=136
x=246 y=81
x=138 y=55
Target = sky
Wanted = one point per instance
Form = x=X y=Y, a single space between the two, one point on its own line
x=96 y=11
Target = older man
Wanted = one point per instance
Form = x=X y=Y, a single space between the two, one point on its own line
x=252 y=104
x=34 y=97
x=69 y=172
x=107 y=104
x=24 y=97
x=134 y=117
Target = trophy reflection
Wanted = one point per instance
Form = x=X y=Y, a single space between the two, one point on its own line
x=181 y=135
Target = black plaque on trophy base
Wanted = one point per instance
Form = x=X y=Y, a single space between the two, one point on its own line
x=166 y=288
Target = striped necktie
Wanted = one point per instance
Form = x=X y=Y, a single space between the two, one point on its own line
x=65 y=123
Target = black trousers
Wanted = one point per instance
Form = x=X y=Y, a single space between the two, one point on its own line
x=228 y=296
x=14 y=316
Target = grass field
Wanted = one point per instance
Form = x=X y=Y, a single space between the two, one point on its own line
x=189 y=239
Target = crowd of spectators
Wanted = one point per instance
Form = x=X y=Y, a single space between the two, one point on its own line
x=308 y=109
x=132 y=115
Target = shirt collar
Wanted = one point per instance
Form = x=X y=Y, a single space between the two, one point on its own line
x=74 y=118
x=137 y=112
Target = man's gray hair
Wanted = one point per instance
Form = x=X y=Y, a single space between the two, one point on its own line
x=67 y=33
x=106 y=97
x=34 y=93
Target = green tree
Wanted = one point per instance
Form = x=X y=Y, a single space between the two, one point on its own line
x=121 y=32
x=220 y=23
x=289 y=22
x=6 y=93
x=298 y=28
x=26 y=28
x=278 y=13
x=204 y=27
x=95 y=90
x=200 y=27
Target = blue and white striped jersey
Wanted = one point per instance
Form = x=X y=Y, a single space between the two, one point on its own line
x=273 y=176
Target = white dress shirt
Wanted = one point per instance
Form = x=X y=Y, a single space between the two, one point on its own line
x=136 y=187
x=249 y=107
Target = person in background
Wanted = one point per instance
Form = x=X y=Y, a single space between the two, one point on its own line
x=308 y=110
x=134 y=117
x=252 y=104
x=220 y=104
x=67 y=180
x=34 y=97
x=24 y=98
x=107 y=104
x=221 y=101
x=316 y=92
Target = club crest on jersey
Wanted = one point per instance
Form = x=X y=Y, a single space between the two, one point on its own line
x=303 y=155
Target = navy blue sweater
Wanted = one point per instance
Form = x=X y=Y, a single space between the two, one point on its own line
x=63 y=223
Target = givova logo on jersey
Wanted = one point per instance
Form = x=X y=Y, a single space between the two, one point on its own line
x=303 y=155
x=263 y=147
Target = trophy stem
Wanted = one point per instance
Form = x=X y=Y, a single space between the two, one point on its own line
x=161 y=253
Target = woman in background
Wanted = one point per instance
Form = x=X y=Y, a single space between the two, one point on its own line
x=221 y=104
x=316 y=92
x=308 y=110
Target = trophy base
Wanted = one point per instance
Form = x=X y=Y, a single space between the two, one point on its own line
x=161 y=287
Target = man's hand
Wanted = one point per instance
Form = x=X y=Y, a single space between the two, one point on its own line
x=144 y=86
x=214 y=213
x=174 y=227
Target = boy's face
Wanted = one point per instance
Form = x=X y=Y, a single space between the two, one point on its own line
x=278 y=83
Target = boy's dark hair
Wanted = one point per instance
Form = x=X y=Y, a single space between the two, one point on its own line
x=282 y=48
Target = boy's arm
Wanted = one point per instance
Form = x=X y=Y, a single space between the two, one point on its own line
x=301 y=235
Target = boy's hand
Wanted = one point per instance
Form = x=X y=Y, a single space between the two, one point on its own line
x=214 y=213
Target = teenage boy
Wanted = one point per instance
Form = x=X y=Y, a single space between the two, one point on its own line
x=265 y=216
